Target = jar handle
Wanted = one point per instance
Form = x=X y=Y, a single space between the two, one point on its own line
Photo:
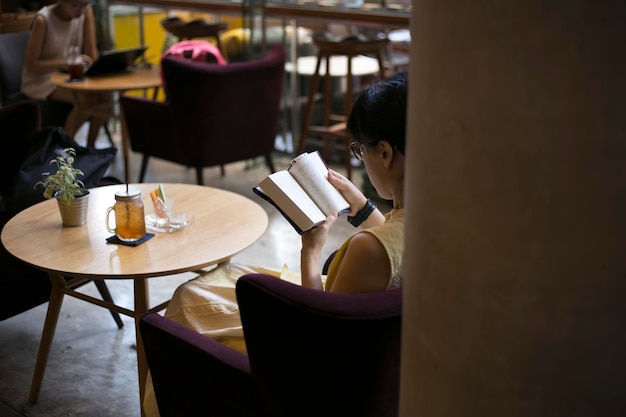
x=108 y=218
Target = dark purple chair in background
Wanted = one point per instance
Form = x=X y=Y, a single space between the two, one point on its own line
x=213 y=115
x=12 y=54
x=311 y=353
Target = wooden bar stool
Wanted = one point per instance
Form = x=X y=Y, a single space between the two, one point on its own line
x=343 y=58
x=194 y=29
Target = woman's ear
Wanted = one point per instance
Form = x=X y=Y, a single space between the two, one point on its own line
x=386 y=152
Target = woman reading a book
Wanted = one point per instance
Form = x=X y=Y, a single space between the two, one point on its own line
x=369 y=261
x=54 y=29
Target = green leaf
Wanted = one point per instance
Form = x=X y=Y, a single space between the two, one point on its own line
x=63 y=183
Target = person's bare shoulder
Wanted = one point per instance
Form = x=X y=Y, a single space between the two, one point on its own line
x=365 y=266
x=38 y=20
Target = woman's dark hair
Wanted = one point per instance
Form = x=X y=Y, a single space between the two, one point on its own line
x=379 y=113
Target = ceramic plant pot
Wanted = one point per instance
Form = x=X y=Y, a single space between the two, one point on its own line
x=75 y=213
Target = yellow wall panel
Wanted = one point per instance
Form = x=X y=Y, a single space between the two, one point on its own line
x=126 y=33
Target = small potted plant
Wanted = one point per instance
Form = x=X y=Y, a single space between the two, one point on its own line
x=65 y=186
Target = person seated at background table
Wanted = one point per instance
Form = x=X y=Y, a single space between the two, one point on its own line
x=369 y=261
x=53 y=30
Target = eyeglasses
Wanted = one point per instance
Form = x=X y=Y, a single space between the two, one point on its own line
x=357 y=150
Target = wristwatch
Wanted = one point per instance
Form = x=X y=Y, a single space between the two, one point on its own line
x=363 y=214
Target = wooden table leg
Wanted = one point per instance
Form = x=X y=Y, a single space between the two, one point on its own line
x=52 y=316
x=141 y=307
x=125 y=146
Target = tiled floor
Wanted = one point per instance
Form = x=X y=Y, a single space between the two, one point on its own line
x=92 y=365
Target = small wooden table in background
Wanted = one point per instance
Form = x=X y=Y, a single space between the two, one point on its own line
x=139 y=78
x=225 y=224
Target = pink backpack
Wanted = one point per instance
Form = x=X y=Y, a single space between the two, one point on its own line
x=196 y=50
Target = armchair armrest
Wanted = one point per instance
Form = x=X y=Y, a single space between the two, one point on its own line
x=193 y=374
x=148 y=122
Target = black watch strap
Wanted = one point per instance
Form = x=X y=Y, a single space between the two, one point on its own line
x=363 y=214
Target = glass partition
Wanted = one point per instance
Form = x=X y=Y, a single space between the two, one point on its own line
x=253 y=20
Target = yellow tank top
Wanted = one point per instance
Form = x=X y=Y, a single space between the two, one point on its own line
x=391 y=236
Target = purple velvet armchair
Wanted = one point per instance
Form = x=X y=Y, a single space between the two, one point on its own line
x=213 y=115
x=23 y=287
x=311 y=353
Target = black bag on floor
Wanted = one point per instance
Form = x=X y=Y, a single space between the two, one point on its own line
x=47 y=144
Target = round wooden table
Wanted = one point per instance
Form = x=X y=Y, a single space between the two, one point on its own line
x=138 y=78
x=225 y=224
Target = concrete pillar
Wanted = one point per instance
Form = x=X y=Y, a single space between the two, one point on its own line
x=515 y=274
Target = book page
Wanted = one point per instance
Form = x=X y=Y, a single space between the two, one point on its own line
x=312 y=174
x=283 y=189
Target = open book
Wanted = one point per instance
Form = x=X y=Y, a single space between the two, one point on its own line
x=302 y=193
